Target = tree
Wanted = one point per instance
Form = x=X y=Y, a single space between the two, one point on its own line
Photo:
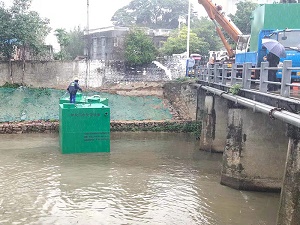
x=22 y=29
x=151 y=13
x=177 y=41
x=63 y=41
x=29 y=29
x=76 y=43
x=205 y=29
x=7 y=37
x=139 y=49
x=71 y=43
x=242 y=16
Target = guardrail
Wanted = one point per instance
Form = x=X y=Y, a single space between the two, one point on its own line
x=229 y=76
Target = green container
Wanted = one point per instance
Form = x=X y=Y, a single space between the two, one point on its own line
x=84 y=128
x=97 y=99
x=273 y=17
x=83 y=99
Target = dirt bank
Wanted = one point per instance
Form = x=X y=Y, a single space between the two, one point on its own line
x=133 y=89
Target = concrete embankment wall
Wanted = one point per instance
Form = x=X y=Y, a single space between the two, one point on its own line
x=58 y=74
x=183 y=98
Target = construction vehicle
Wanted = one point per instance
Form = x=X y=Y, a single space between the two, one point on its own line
x=219 y=18
x=276 y=21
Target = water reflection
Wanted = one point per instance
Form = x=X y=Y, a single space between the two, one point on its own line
x=147 y=178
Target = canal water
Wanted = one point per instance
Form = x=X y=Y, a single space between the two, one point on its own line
x=147 y=178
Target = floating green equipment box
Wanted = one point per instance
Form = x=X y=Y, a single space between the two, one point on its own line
x=84 y=127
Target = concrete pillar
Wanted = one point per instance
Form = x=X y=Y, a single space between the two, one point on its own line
x=232 y=166
x=214 y=123
x=289 y=207
x=255 y=151
x=208 y=124
x=200 y=110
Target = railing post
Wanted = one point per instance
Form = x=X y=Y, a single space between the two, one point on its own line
x=286 y=78
x=224 y=73
x=205 y=72
x=216 y=73
x=233 y=74
x=202 y=72
x=263 y=86
x=209 y=73
x=247 y=75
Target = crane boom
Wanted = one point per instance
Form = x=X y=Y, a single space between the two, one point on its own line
x=215 y=14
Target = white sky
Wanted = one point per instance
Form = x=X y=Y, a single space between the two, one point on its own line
x=72 y=13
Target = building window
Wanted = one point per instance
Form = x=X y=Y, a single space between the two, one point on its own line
x=103 y=42
x=116 y=40
x=94 y=52
x=103 y=48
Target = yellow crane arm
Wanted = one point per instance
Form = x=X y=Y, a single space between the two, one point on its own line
x=215 y=14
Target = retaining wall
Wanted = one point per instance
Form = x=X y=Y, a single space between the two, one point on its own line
x=53 y=126
x=58 y=74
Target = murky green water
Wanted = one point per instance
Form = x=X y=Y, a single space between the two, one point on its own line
x=147 y=178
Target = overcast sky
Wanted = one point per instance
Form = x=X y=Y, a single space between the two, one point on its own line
x=72 y=13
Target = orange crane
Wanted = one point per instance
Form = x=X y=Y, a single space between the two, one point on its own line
x=218 y=17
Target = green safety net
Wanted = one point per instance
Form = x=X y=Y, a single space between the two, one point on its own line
x=28 y=104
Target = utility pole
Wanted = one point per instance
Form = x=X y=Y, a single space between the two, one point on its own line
x=188 y=41
x=188 y=31
x=88 y=57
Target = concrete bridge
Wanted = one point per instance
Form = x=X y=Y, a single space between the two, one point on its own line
x=258 y=132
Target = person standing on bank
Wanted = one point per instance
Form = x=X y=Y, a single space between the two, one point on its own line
x=273 y=62
x=72 y=89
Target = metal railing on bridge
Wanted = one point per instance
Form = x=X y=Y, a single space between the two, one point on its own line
x=243 y=75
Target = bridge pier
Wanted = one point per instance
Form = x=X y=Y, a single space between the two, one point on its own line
x=212 y=111
x=254 y=153
x=289 y=207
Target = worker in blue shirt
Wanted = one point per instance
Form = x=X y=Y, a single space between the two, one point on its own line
x=72 y=89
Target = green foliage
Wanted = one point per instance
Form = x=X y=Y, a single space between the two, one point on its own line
x=71 y=43
x=139 y=49
x=235 y=89
x=7 y=37
x=185 y=79
x=243 y=14
x=63 y=41
x=205 y=29
x=21 y=28
x=76 y=43
x=151 y=13
x=9 y=85
x=182 y=79
x=177 y=41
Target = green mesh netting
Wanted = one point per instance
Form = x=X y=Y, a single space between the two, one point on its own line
x=25 y=104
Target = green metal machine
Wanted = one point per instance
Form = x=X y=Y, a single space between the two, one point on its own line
x=84 y=127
